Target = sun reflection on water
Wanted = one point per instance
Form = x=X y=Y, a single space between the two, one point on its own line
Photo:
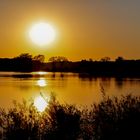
x=41 y=102
x=41 y=82
x=42 y=73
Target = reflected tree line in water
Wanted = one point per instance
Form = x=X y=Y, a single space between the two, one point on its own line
x=107 y=82
x=63 y=76
x=104 y=67
x=110 y=119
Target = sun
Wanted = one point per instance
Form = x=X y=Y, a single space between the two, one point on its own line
x=42 y=33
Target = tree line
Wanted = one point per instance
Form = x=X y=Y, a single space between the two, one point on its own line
x=104 y=67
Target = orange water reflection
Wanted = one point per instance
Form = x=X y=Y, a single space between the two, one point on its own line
x=69 y=88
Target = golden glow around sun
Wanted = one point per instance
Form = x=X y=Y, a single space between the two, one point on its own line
x=40 y=103
x=42 y=34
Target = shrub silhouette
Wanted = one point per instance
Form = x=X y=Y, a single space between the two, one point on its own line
x=116 y=119
x=111 y=119
x=20 y=122
x=64 y=122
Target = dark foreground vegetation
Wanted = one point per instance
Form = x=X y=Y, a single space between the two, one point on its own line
x=110 y=119
x=104 y=67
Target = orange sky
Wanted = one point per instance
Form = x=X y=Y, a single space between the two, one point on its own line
x=86 y=28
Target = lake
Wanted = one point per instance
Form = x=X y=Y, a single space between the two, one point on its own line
x=68 y=87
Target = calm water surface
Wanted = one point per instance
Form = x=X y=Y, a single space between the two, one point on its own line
x=68 y=87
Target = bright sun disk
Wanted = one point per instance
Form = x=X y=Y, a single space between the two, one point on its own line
x=42 y=34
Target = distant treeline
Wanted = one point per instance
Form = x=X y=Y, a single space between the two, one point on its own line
x=104 y=67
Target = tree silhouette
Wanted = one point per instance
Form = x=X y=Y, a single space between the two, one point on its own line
x=105 y=59
x=119 y=58
x=58 y=59
x=23 y=62
x=39 y=58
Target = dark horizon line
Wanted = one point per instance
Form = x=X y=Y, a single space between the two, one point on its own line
x=63 y=58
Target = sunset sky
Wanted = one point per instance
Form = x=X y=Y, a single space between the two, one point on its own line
x=85 y=28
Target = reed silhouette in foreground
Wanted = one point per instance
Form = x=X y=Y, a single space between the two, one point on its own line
x=111 y=119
